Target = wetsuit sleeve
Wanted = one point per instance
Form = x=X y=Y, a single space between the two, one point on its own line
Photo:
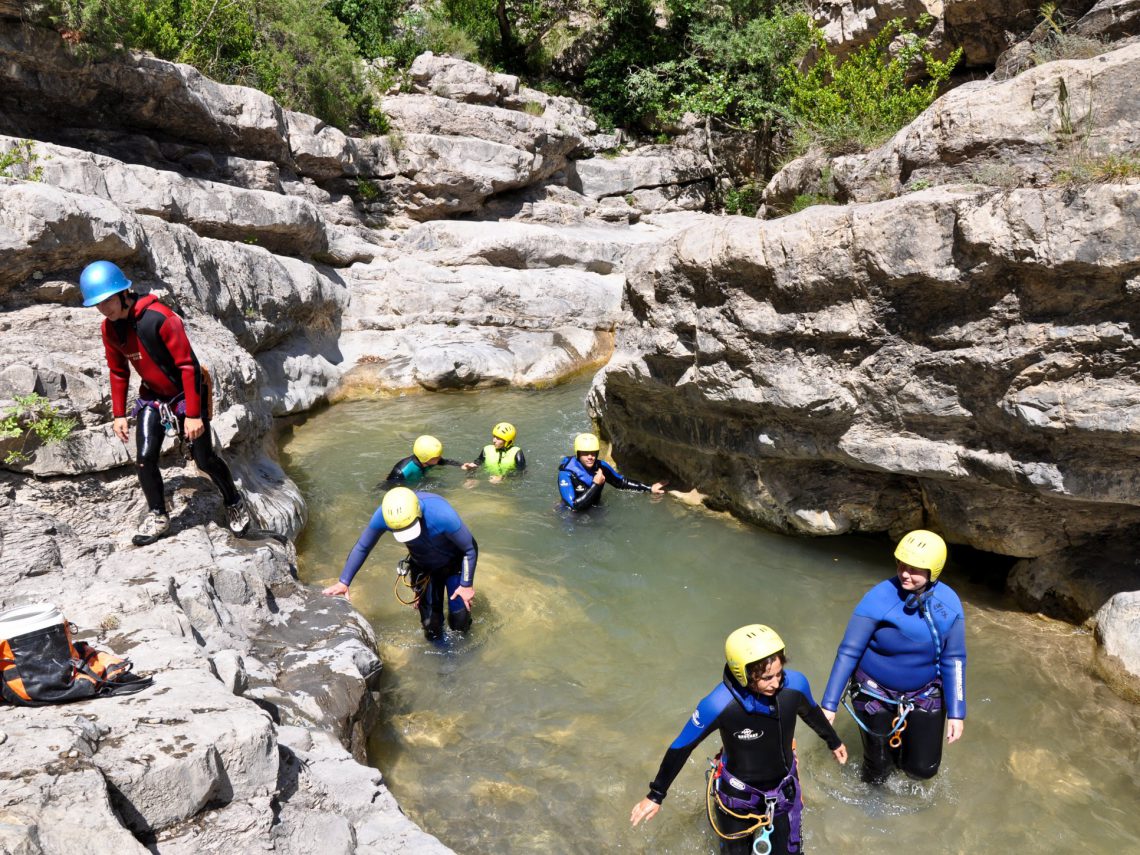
x=173 y=335
x=701 y=723
x=520 y=460
x=462 y=538
x=368 y=539
x=620 y=481
x=810 y=712
x=479 y=460
x=566 y=491
x=953 y=667
x=851 y=649
x=120 y=370
x=443 y=461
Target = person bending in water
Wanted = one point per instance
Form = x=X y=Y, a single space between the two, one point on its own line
x=903 y=659
x=581 y=477
x=442 y=556
x=174 y=395
x=427 y=451
x=754 y=789
x=502 y=456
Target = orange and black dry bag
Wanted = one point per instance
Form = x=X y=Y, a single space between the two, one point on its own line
x=40 y=664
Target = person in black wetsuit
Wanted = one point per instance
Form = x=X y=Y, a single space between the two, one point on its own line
x=427 y=451
x=755 y=787
x=581 y=477
x=174 y=396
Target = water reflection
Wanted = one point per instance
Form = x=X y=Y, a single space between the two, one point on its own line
x=595 y=636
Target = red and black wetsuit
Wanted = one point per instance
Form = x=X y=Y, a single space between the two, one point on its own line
x=153 y=340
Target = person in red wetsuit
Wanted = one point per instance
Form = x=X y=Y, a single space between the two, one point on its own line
x=174 y=396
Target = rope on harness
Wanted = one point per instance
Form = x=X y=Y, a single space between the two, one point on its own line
x=403 y=574
x=898 y=725
x=762 y=845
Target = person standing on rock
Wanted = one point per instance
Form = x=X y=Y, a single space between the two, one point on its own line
x=174 y=395
x=441 y=556
x=502 y=456
x=754 y=795
x=427 y=451
x=903 y=661
x=581 y=477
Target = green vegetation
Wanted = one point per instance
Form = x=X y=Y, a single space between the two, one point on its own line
x=297 y=51
x=863 y=101
x=1100 y=169
x=20 y=161
x=756 y=66
x=33 y=415
x=744 y=200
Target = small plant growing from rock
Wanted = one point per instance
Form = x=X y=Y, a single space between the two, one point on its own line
x=533 y=108
x=109 y=623
x=33 y=415
x=367 y=191
x=20 y=161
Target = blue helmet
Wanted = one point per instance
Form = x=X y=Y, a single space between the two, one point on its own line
x=99 y=280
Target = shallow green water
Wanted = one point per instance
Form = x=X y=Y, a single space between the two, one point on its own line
x=594 y=637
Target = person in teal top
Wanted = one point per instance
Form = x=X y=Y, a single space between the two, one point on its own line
x=427 y=451
x=502 y=456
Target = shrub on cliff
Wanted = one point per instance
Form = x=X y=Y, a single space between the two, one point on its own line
x=294 y=50
x=875 y=92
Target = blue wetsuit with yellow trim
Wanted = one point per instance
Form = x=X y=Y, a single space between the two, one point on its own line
x=898 y=643
x=576 y=483
x=445 y=553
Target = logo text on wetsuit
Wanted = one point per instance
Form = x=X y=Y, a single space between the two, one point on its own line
x=748 y=734
x=696 y=718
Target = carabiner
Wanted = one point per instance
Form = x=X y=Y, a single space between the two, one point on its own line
x=762 y=842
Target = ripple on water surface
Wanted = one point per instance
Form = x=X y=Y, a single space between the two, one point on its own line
x=594 y=638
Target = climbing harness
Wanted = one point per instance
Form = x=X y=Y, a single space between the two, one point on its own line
x=417 y=585
x=776 y=801
x=928 y=699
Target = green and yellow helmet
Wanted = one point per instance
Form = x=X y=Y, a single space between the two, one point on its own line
x=923 y=549
x=747 y=645
x=504 y=431
x=586 y=443
x=426 y=447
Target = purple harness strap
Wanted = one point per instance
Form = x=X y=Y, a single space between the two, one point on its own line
x=754 y=800
x=927 y=698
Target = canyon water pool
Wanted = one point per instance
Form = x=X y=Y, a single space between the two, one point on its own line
x=595 y=636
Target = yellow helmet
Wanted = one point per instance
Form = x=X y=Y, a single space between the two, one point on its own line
x=586 y=442
x=923 y=549
x=504 y=431
x=401 y=509
x=426 y=447
x=747 y=645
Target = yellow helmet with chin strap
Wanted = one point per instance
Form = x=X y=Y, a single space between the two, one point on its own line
x=586 y=443
x=923 y=549
x=401 y=508
x=426 y=447
x=747 y=645
x=504 y=431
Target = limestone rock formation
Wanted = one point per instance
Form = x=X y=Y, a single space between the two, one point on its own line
x=954 y=357
x=1039 y=127
x=982 y=28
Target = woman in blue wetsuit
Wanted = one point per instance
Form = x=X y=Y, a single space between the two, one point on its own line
x=581 y=477
x=441 y=550
x=903 y=659
x=754 y=791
